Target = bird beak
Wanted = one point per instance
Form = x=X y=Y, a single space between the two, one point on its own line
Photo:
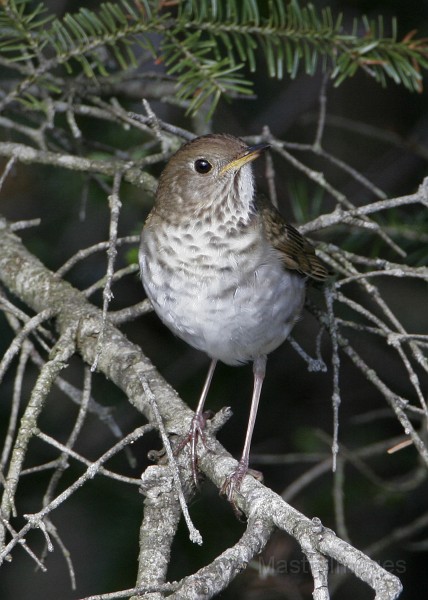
x=251 y=153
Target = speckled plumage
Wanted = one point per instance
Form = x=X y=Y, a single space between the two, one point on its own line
x=222 y=269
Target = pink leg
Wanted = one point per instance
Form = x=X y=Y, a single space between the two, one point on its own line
x=234 y=480
x=198 y=424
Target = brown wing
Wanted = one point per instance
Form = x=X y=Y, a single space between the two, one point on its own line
x=297 y=253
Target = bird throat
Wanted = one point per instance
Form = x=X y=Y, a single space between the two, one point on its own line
x=231 y=205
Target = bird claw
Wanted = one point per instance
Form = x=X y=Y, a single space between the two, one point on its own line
x=196 y=432
x=233 y=481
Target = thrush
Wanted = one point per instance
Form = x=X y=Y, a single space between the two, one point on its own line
x=222 y=268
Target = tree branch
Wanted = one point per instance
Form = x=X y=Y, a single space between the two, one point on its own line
x=125 y=365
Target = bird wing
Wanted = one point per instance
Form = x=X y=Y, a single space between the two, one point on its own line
x=297 y=253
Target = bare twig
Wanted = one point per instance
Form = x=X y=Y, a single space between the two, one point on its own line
x=194 y=534
x=115 y=206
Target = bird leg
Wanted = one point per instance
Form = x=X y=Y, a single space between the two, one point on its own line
x=234 y=480
x=198 y=424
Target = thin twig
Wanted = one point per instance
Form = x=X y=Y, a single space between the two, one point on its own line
x=330 y=295
x=115 y=206
x=35 y=520
x=194 y=534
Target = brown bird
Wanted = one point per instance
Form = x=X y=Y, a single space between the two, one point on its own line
x=222 y=268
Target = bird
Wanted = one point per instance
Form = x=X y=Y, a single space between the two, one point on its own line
x=222 y=268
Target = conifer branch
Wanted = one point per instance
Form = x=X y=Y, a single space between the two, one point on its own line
x=206 y=45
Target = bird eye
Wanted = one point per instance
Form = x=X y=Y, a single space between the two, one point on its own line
x=202 y=166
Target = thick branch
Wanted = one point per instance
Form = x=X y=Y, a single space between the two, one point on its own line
x=120 y=360
x=123 y=363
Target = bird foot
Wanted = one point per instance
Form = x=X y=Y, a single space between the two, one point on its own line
x=196 y=432
x=233 y=481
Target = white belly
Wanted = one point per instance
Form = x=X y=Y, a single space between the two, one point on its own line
x=232 y=307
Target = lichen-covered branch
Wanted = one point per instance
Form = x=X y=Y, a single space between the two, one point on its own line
x=121 y=361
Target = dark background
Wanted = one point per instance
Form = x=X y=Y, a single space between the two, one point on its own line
x=100 y=525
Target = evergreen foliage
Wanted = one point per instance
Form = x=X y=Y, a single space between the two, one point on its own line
x=207 y=46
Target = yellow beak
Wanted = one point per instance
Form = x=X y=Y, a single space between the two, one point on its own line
x=251 y=153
